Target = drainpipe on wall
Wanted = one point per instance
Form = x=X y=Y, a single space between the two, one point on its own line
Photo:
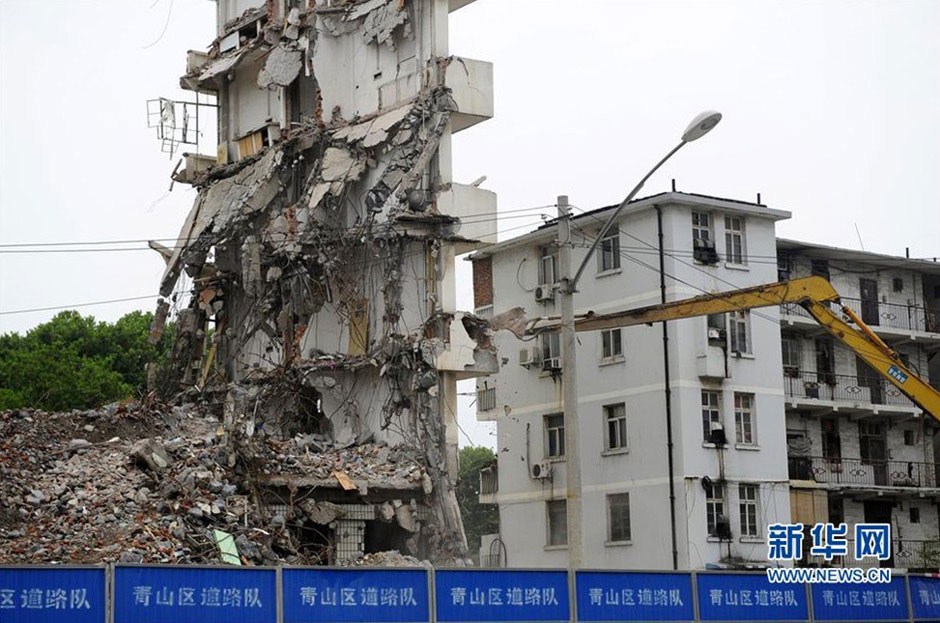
x=668 y=393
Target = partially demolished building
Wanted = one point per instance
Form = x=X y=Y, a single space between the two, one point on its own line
x=319 y=255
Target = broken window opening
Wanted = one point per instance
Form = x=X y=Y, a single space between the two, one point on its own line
x=315 y=541
x=384 y=536
x=177 y=122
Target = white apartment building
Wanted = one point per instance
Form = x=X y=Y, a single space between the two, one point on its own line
x=725 y=384
x=859 y=450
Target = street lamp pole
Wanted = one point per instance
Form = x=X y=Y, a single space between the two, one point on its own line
x=700 y=125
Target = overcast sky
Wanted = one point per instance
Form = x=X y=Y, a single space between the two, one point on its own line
x=831 y=110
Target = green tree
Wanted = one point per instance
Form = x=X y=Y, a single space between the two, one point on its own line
x=73 y=362
x=478 y=519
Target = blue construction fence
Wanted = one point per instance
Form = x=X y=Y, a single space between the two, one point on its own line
x=232 y=594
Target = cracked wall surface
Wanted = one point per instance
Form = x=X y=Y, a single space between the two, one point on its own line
x=319 y=256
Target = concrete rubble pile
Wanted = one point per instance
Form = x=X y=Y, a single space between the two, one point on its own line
x=125 y=484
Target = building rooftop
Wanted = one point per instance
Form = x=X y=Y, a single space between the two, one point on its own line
x=811 y=249
x=590 y=218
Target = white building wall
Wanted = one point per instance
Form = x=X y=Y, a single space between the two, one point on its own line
x=525 y=396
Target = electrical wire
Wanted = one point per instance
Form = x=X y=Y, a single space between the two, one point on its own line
x=474 y=217
x=166 y=25
x=88 y=304
x=153 y=296
x=881 y=358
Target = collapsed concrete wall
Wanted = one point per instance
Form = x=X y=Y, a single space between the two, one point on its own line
x=321 y=260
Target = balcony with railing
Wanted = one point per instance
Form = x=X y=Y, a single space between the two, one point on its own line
x=863 y=472
x=905 y=554
x=875 y=390
x=878 y=315
x=489 y=483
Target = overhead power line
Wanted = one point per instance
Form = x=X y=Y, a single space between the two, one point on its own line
x=88 y=304
x=153 y=296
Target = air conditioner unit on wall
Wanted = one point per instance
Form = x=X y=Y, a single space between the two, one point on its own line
x=542 y=470
x=551 y=364
x=529 y=357
x=704 y=252
x=717 y=435
x=545 y=293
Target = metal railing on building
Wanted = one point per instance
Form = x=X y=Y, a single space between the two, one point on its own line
x=863 y=472
x=905 y=554
x=877 y=314
x=841 y=387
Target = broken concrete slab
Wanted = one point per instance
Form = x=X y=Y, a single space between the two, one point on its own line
x=281 y=67
x=321 y=512
x=151 y=454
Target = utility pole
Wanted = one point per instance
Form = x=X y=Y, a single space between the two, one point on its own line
x=701 y=125
x=569 y=386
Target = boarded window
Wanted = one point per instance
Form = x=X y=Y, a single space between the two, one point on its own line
x=618 y=517
x=557 y=512
x=359 y=328
x=251 y=144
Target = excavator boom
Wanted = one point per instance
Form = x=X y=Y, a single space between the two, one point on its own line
x=813 y=293
x=795 y=291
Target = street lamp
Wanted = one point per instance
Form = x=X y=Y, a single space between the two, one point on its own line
x=699 y=127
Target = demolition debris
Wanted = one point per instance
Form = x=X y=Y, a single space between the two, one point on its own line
x=81 y=487
x=307 y=413
x=316 y=258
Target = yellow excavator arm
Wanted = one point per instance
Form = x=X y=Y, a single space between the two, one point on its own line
x=814 y=294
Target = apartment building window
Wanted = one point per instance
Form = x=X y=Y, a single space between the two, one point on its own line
x=791 y=352
x=615 y=420
x=734 y=240
x=711 y=412
x=703 y=247
x=739 y=322
x=701 y=230
x=609 y=257
x=618 y=517
x=831 y=440
x=825 y=360
x=909 y=437
x=714 y=505
x=550 y=345
x=784 y=267
x=548 y=266
x=744 y=418
x=915 y=514
x=717 y=329
x=555 y=435
x=747 y=501
x=819 y=268
x=897 y=284
x=611 y=345
x=556 y=512
x=868 y=377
